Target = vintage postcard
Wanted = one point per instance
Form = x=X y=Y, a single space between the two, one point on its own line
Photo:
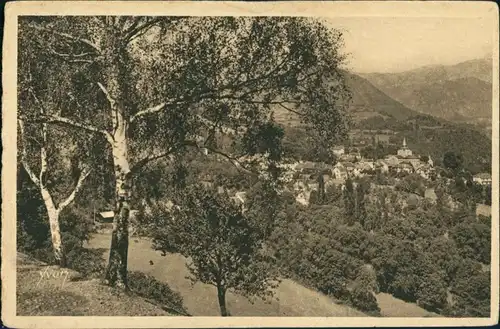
x=207 y=164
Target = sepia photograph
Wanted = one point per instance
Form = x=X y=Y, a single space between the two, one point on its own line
x=230 y=164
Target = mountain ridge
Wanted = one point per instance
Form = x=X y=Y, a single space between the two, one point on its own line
x=367 y=101
x=461 y=92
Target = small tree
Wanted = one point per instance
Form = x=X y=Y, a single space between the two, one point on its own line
x=453 y=161
x=321 y=188
x=432 y=292
x=349 y=201
x=225 y=246
x=360 y=211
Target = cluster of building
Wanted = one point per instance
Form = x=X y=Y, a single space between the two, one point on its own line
x=353 y=165
x=482 y=179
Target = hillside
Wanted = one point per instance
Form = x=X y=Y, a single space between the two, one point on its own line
x=367 y=101
x=460 y=92
x=291 y=299
x=446 y=105
x=464 y=99
x=55 y=296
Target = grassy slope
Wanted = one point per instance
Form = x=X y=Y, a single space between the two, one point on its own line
x=291 y=299
x=54 y=297
x=393 y=307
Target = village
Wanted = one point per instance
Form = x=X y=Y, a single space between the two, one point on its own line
x=351 y=165
x=348 y=164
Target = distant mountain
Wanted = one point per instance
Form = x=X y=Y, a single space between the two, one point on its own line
x=457 y=100
x=367 y=102
x=373 y=109
x=461 y=92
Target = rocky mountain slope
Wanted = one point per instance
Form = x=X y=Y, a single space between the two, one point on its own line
x=460 y=93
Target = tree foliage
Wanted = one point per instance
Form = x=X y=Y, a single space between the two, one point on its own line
x=223 y=244
x=452 y=160
x=161 y=87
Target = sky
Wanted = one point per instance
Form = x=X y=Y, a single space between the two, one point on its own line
x=380 y=44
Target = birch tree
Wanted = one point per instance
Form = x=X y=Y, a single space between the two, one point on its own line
x=44 y=153
x=158 y=87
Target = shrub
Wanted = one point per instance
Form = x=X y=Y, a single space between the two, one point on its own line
x=364 y=300
x=148 y=287
x=88 y=262
x=432 y=292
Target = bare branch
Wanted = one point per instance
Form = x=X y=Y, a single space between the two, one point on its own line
x=143 y=162
x=67 y=36
x=111 y=100
x=58 y=119
x=131 y=28
x=83 y=175
x=235 y=161
x=70 y=55
x=73 y=58
x=24 y=161
x=289 y=109
x=147 y=111
x=212 y=125
x=80 y=125
x=112 y=104
x=43 y=155
x=137 y=31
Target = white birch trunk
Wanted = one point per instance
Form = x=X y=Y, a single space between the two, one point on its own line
x=116 y=273
x=55 y=232
x=115 y=72
x=53 y=211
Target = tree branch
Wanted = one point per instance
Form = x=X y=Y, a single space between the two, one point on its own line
x=289 y=109
x=111 y=100
x=147 y=111
x=234 y=161
x=73 y=58
x=225 y=130
x=112 y=104
x=139 y=30
x=232 y=158
x=72 y=123
x=130 y=30
x=141 y=163
x=83 y=175
x=57 y=119
x=67 y=36
x=43 y=155
x=24 y=161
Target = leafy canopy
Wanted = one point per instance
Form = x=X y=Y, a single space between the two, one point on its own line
x=188 y=78
x=225 y=245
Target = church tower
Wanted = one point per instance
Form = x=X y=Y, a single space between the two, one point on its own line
x=404 y=151
x=430 y=162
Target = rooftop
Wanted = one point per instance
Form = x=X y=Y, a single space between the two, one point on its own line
x=483 y=176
